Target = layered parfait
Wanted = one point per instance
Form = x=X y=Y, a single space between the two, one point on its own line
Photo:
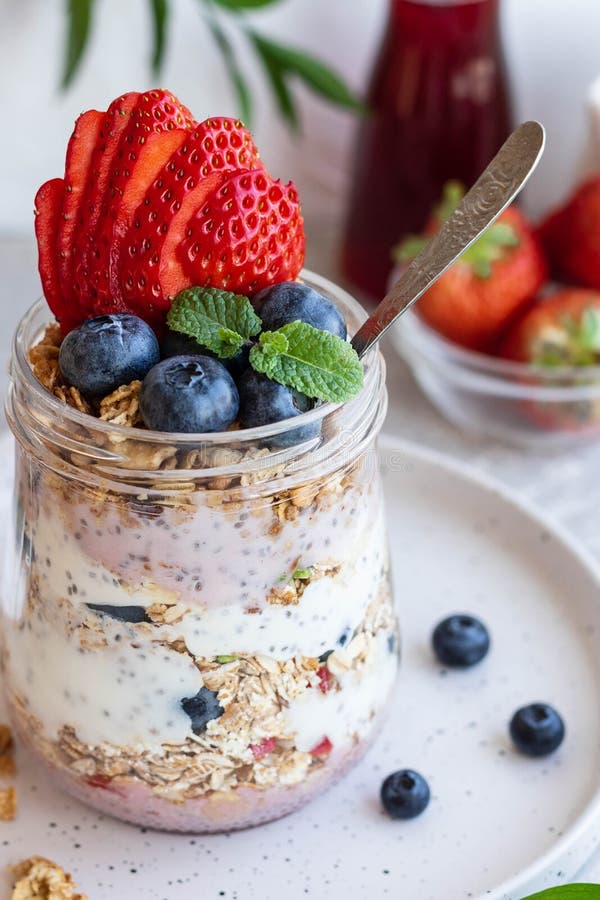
x=199 y=632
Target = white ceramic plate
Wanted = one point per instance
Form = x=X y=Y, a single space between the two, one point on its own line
x=499 y=825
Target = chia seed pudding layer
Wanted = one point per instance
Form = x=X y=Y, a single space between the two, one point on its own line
x=197 y=653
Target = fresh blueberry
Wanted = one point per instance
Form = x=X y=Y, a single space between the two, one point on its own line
x=460 y=641
x=404 y=794
x=189 y=394
x=133 y=614
x=106 y=352
x=289 y=301
x=174 y=343
x=263 y=401
x=202 y=709
x=537 y=729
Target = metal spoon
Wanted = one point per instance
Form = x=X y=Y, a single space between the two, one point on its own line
x=493 y=191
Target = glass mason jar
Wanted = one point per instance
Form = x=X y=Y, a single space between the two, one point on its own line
x=438 y=109
x=198 y=635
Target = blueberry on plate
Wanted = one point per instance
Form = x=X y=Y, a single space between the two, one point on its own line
x=192 y=394
x=263 y=402
x=405 y=794
x=202 y=708
x=537 y=729
x=105 y=352
x=460 y=641
x=290 y=301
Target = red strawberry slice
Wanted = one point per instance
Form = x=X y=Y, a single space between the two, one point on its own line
x=113 y=124
x=215 y=147
x=326 y=679
x=248 y=235
x=263 y=748
x=137 y=161
x=150 y=243
x=48 y=207
x=323 y=748
x=77 y=163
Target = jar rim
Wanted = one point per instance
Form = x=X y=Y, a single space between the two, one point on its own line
x=74 y=420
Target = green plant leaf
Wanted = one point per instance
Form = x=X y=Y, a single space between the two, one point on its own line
x=226 y=658
x=242 y=5
x=276 y=78
x=79 y=18
x=244 y=100
x=303 y=574
x=317 y=76
x=160 y=19
x=219 y=320
x=568 y=892
x=317 y=363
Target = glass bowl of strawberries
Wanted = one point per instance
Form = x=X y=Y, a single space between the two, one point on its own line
x=507 y=342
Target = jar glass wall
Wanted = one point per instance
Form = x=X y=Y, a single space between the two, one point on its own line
x=198 y=635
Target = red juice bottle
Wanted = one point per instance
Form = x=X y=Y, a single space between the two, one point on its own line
x=438 y=109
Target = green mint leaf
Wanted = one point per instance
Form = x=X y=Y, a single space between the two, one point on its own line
x=237 y=79
x=222 y=660
x=317 y=363
x=159 y=10
x=317 y=76
x=218 y=320
x=79 y=19
x=303 y=574
x=568 y=892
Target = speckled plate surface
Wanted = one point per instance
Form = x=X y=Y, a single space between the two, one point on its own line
x=499 y=826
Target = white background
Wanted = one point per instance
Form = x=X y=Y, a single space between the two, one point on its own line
x=553 y=47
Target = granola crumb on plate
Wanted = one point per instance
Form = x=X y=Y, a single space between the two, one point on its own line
x=7 y=759
x=8 y=804
x=41 y=879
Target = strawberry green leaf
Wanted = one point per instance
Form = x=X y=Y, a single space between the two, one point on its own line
x=568 y=892
x=289 y=61
x=244 y=100
x=317 y=363
x=219 y=320
x=79 y=18
x=160 y=16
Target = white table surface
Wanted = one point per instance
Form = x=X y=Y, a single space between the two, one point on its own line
x=566 y=486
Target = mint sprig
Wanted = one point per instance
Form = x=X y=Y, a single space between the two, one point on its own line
x=219 y=320
x=317 y=363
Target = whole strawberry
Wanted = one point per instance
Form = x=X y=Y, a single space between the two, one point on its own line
x=558 y=331
x=561 y=330
x=474 y=301
x=571 y=237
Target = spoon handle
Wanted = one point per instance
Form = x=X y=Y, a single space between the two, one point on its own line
x=493 y=191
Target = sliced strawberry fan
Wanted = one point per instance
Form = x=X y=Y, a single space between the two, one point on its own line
x=153 y=202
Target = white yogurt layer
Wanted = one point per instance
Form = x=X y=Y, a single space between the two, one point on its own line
x=341 y=715
x=213 y=556
x=327 y=614
x=115 y=693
